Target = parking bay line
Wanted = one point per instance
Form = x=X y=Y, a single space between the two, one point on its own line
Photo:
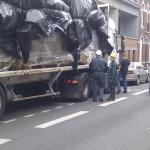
x=45 y=111
x=113 y=102
x=60 y=120
x=59 y=107
x=141 y=92
x=3 y=141
x=31 y=115
x=70 y=104
x=8 y=121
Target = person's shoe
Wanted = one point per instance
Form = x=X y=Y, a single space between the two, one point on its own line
x=94 y=100
x=118 y=91
x=110 y=99
x=101 y=100
x=125 y=92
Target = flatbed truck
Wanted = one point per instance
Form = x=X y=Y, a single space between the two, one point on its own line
x=37 y=83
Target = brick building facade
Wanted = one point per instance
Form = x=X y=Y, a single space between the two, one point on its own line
x=125 y=14
x=144 y=32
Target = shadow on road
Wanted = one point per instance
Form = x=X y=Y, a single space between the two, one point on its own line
x=35 y=104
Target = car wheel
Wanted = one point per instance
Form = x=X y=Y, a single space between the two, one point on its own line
x=138 y=81
x=149 y=87
x=147 y=79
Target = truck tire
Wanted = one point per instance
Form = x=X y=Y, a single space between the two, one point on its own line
x=2 y=101
x=85 y=87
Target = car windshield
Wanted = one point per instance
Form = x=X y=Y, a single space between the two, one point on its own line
x=131 y=65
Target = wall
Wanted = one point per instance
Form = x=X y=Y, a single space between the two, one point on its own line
x=144 y=32
x=126 y=25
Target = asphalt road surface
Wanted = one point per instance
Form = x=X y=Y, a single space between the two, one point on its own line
x=49 y=125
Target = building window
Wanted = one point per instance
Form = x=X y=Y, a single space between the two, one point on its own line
x=147 y=27
x=141 y=49
x=146 y=51
x=144 y=7
x=142 y=18
x=129 y=55
x=147 y=11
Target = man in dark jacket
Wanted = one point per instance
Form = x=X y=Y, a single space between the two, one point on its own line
x=124 y=65
x=98 y=67
x=113 y=77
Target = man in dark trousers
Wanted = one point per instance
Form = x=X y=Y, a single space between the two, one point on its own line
x=98 y=67
x=113 y=77
x=123 y=71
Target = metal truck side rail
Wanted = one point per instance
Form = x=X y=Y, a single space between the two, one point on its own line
x=39 y=71
x=11 y=78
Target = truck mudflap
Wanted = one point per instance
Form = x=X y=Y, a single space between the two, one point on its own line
x=76 y=87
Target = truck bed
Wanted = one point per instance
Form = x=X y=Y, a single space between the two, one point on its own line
x=33 y=75
x=39 y=71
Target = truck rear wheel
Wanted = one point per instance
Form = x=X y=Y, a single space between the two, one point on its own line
x=2 y=101
x=76 y=86
x=85 y=87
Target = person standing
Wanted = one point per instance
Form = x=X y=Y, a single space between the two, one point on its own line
x=123 y=71
x=113 y=77
x=98 y=67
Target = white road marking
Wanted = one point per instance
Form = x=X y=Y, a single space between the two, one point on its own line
x=45 y=111
x=137 y=89
x=3 y=141
x=31 y=115
x=70 y=104
x=8 y=121
x=133 y=90
x=141 y=92
x=59 y=107
x=63 y=119
x=113 y=102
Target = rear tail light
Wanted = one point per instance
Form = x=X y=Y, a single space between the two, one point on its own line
x=68 y=81
x=72 y=81
x=75 y=82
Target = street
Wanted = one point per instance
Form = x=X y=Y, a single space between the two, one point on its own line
x=123 y=124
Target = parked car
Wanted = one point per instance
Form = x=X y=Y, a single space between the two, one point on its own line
x=149 y=87
x=137 y=73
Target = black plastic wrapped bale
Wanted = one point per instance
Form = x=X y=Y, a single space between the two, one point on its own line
x=38 y=17
x=60 y=19
x=105 y=46
x=57 y=5
x=27 y=4
x=11 y=47
x=35 y=24
x=8 y=24
x=72 y=38
x=25 y=35
x=94 y=45
x=49 y=51
x=96 y=18
x=80 y=34
x=82 y=8
x=10 y=18
x=68 y=2
x=83 y=32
